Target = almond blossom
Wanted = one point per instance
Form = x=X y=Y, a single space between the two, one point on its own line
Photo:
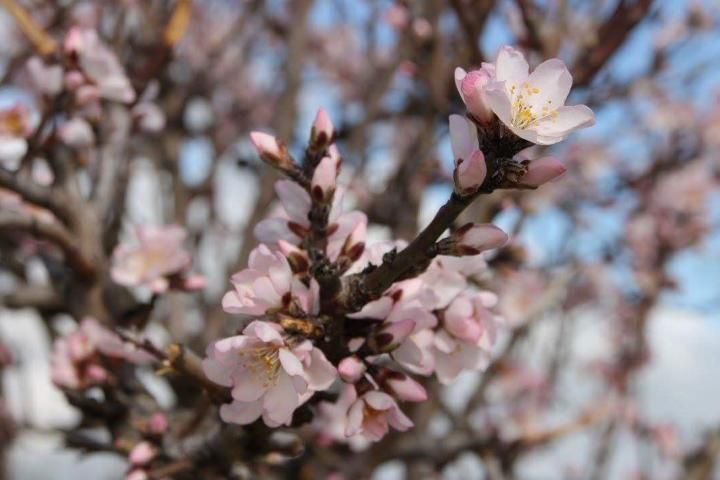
x=532 y=105
x=270 y=374
x=100 y=65
x=372 y=414
x=14 y=129
x=268 y=284
x=75 y=363
x=158 y=256
x=464 y=341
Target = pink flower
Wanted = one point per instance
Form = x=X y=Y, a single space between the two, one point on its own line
x=269 y=283
x=471 y=86
x=470 y=167
x=158 y=255
x=142 y=453
x=74 y=363
x=158 y=423
x=373 y=413
x=405 y=322
x=100 y=65
x=542 y=171
x=533 y=105
x=464 y=341
x=14 y=128
x=269 y=376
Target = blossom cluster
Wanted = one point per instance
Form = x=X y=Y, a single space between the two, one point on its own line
x=435 y=321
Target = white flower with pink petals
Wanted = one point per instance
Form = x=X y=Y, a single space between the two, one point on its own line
x=158 y=255
x=268 y=283
x=373 y=413
x=14 y=129
x=269 y=375
x=532 y=105
x=465 y=338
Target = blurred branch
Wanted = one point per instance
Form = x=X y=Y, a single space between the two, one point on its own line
x=43 y=43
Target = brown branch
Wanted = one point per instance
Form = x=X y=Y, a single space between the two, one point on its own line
x=43 y=43
x=610 y=37
x=51 y=231
x=34 y=193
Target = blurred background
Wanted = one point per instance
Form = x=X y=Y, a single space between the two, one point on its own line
x=610 y=288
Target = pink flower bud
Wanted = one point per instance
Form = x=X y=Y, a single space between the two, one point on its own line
x=194 y=283
x=392 y=334
x=95 y=374
x=142 y=453
x=471 y=87
x=87 y=94
x=158 y=423
x=351 y=369
x=79 y=346
x=298 y=259
x=323 y=131
x=355 y=243
x=137 y=474
x=74 y=41
x=323 y=181
x=74 y=79
x=271 y=150
x=542 y=171
x=472 y=238
x=405 y=388
x=470 y=173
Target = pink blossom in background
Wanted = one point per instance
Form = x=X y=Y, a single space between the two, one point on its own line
x=158 y=255
x=74 y=362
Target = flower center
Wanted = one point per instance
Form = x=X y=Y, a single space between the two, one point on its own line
x=12 y=122
x=263 y=362
x=524 y=110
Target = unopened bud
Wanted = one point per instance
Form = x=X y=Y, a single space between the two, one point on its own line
x=297 y=258
x=470 y=173
x=351 y=369
x=142 y=453
x=471 y=86
x=404 y=387
x=542 y=171
x=392 y=335
x=323 y=131
x=324 y=180
x=473 y=238
x=271 y=150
